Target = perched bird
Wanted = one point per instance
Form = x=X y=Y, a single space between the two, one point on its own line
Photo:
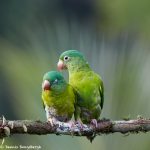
x=58 y=98
x=87 y=84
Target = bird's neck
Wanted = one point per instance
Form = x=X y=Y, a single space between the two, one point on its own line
x=58 y=90
x=78 y=66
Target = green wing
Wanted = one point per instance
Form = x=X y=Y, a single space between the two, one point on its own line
x=77 y=110
x=43 y=105
x=101 y=91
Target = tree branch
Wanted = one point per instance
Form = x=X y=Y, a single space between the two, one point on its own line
x=8 y=127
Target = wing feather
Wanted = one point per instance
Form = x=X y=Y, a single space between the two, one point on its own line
x=101 y=91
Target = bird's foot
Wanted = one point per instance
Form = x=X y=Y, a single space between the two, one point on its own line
x=80 y=124
x=94 y=123
x=52 y=121
x=91 y=138
x=71 y=124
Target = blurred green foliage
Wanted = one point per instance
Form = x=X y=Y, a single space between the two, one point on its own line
x=114 y=38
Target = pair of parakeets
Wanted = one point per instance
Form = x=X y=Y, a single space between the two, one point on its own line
x=83 y=96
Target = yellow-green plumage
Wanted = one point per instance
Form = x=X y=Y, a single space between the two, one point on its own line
x=89 y=98
x=59 y=99
x=88 y=86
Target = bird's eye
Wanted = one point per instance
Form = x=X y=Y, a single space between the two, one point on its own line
x=55 y=81
x=66 y=58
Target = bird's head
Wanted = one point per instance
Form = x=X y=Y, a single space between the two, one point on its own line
x=53 y=81
x=71 y=59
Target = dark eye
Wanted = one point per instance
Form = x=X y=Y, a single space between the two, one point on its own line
x=66 y=58
x=55 y=81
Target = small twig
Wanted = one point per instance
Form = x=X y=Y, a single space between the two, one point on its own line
x=42 y=128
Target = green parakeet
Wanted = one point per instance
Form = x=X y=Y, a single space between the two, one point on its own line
x=58 y=98
x=88 y=85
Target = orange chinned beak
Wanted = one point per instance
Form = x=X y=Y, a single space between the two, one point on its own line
x=46 y=85
x=61 y=65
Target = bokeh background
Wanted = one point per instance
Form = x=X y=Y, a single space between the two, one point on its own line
x=114 y=37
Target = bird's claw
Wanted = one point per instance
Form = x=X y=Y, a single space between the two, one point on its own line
x=80 y=124
x=94 y=123
x=60 y=124
x=51 y=121
x=71 y=124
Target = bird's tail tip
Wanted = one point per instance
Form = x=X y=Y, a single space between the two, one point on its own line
x=91 y=138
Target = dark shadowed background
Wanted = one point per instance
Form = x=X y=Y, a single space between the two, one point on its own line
x=114 y=37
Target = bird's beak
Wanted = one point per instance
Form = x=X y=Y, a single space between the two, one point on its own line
x=46 y=85
x=61 y=65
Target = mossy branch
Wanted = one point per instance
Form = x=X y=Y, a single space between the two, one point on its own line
x=8 y=127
